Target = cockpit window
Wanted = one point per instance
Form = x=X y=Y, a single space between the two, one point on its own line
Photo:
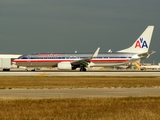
x=22 y=57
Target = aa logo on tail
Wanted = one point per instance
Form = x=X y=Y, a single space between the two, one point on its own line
x=141 y=43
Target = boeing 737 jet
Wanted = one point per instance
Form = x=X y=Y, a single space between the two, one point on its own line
x=71 y=61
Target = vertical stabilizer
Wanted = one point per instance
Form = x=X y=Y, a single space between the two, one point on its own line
x=142 y=44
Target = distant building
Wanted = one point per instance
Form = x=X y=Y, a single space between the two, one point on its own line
x=6 y=61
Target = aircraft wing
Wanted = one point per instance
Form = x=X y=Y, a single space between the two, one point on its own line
x=85 y=62
x=146 y=54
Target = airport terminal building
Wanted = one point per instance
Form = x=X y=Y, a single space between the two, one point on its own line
x=6 y=61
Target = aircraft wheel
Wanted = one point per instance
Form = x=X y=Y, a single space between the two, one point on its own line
x=82 y=69
x=33 y=69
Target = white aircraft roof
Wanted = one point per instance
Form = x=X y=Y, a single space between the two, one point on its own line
x=9 y=56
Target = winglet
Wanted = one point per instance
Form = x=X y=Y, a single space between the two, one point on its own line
x=96 y=53
x=84 y=62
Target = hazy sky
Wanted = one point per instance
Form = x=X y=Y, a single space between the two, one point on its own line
x=28 y=26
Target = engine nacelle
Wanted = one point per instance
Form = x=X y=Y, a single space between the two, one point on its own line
x=64 y=66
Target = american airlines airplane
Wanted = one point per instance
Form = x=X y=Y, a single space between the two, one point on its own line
x=70 y=61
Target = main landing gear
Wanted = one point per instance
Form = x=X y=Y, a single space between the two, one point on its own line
x=82 y=69
x=30 y=69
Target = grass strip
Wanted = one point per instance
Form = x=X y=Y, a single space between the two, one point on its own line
x=50 y=82
x=130 y=108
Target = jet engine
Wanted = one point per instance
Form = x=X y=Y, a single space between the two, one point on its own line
x=64 y=66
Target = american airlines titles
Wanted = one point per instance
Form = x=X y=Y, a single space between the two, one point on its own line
x=49 y=55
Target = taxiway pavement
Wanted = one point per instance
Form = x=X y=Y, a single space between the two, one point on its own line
x=78 y=92
x=80 y=73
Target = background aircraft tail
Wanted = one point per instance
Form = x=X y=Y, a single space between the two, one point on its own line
x=142 y=44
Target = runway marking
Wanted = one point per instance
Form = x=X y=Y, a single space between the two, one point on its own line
x=43 y=74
